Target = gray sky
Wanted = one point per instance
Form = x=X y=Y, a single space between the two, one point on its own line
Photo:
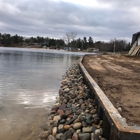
x=100 y=19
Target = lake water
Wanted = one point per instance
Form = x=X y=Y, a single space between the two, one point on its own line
x=29 y=83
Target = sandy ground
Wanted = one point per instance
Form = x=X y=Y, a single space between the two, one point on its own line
x=119 y=77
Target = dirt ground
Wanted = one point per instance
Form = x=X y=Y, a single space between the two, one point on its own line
x=119 y=77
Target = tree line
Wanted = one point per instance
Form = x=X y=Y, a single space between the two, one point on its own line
x=114 y=45
x=69 y=41
x=7 y=39
x=15 y=40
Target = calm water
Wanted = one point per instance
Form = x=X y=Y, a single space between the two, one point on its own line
x=29 y=83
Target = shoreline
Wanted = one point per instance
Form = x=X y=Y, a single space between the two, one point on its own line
x=74 y=116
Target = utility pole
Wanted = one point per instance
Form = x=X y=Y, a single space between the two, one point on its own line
x=114 y=44
x=82 y=44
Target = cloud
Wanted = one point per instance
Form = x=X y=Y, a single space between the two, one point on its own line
x=102 y=19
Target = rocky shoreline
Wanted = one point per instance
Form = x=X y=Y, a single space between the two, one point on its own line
x=74 y=116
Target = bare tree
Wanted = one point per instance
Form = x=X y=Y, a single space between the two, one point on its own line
x=73 y=35
x=68 y=37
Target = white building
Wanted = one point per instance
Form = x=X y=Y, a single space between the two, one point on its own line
x=138 y=40
x=135 y=49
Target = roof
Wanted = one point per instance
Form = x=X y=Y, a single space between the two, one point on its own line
x=134 y=37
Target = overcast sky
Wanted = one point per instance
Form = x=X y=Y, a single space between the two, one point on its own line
x=100 y=19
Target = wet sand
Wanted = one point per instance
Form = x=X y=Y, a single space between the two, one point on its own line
x=119 y=78
x=21 y=124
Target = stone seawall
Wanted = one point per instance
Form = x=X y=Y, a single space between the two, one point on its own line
x=74 y=116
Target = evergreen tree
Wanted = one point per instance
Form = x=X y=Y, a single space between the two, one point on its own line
x=90 y=42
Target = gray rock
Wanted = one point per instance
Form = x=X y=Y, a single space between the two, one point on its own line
x=87 y=129
x=96 y=120
x=64 y=82
x=65 y=101
x=94 y=111
x=74 y=109
x=89 y=121
x=82 y=118
x=69 y=105
x=77 y=120
x=101 y=131
x=59 y=136
x=79 y=111
x=87 y=91
x=98 y=133
x=52 y=115
x=55 y=124
x=53 y=111
x=64 y=87
x=90 y=106
x=94 y=116
x=56 y=118
x=84 y=136
x=55 y=108
x=93 y=129
x=68 y=112
x=50 y=137
x=83 y=107
x=81 y=101
x=77 y=125
x=67 y=135
x=103 y=138
x=60 y=126
x=66 y=90
x=63 y=116
x=44 y=134
x=78 y=131
x=47 y=127
x=119 y=109
x=73 y=95
x=72 y=120
x=101 y=122
x=86 y=111
x=51 y=121
x=62 y=107
x=62 y=121
x=62 y=130
x=92 y=136
x=68 y=119
x=84 y=124
x=83 y=113
x=73 y=131
x=88 y=116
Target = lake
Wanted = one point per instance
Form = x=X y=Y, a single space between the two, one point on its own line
x=29 y=84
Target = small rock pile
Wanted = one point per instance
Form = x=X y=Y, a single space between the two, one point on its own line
x=74 y=116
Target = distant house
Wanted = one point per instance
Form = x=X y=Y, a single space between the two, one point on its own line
x=95 y=50
x=53 y=47
x=135 y=49
x=45 y=44
x=67 y=48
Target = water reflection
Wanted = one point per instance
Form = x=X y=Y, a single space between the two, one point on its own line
x=29 y=83
x=32 y=71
